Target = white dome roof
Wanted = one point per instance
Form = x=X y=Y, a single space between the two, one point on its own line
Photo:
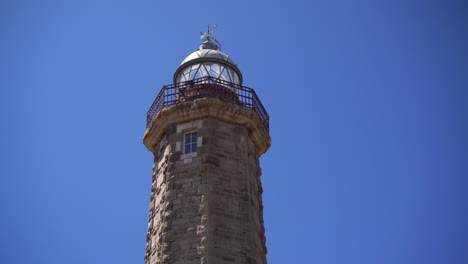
x=208 y=53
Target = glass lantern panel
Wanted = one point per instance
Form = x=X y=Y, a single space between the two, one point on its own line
x=208 y=65
x=214 y=74
x=215 y=67
x=221 y=69
x=203 y=70
x=225 y=76
x=192 y=74
x=231 y=74
x=235 y=78
x=194 y=67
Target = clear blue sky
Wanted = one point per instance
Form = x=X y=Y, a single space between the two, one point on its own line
x=368 y=103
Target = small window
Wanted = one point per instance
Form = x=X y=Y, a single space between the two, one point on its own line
x=190 y=142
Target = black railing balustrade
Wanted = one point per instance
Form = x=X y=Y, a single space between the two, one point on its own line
x=208 y=87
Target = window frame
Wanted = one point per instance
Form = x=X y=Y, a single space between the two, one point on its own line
x=192 y=144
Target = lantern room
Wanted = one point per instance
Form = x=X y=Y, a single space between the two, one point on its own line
x=208 y=60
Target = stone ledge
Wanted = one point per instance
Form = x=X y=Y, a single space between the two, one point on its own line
x=207 y=107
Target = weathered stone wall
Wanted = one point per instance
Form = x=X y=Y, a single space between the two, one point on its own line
x=206 y=207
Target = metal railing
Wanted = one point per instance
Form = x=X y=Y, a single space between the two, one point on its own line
x=208 y=87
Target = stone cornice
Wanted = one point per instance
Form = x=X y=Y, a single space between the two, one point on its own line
x=204 y=108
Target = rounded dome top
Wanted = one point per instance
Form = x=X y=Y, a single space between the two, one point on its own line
x=208 y=54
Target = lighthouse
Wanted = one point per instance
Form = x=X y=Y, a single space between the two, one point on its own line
x=207 y=132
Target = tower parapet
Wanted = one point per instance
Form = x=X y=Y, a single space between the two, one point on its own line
x=207 y=132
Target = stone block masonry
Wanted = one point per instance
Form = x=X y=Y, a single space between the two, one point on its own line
x=206 y=206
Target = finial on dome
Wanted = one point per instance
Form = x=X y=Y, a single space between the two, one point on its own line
x=210 y=41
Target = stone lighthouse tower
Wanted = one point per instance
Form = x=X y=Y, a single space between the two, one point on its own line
x=206 y=132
